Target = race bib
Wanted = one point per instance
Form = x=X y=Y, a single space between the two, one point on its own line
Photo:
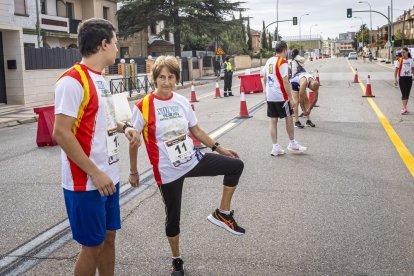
x=178 y=148
x=112 y=141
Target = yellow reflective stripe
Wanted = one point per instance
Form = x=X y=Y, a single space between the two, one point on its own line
x=86 y=97
x=145 y=114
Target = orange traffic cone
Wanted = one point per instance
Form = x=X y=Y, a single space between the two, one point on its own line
x=356 y=76
x=244 y=113
x=193 y=94
x=197 y=144
x=310 y=96
x=368 y=92
x=317 y=77
x=218 y=93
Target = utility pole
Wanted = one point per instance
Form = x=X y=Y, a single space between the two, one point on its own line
x=392 y=32
x=277 y=20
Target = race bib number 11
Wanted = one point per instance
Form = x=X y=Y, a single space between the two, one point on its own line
x=178 y=148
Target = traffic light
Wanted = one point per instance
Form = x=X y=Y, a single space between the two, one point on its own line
x=349 y=13
x=392 y=39
x=295 y=20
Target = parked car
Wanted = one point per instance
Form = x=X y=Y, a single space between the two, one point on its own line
x=352 y=55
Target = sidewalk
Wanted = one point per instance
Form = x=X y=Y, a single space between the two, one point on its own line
x=14 y=115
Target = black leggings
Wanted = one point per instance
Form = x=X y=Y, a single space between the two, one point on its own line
x=210 y=165
x=405 y=87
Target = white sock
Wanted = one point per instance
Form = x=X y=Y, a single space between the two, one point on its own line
x=179 y=257
x=275 y=146
x=224 y=212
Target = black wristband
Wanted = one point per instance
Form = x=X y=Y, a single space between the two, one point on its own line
x=125 y=126
x=214 y=147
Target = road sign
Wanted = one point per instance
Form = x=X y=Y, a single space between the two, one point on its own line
x=220 y=51
x=274 y=44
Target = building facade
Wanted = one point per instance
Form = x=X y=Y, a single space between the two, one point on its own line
x=342 y=47
x=256 y=40
x=57 y=21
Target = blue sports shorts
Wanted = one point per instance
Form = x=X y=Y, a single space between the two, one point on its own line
x=91 y=214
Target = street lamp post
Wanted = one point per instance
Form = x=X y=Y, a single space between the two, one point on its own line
x=362 y=31
x=300 y=38
x=277 y=20
x=370 y=20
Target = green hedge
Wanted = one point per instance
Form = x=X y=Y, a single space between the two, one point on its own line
x=398 y=43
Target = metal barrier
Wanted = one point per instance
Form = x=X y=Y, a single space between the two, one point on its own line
x=133 y=85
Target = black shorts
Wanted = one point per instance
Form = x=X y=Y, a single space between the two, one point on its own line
x=276 y=110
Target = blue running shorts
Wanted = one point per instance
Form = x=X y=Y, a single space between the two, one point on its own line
x=91 y=214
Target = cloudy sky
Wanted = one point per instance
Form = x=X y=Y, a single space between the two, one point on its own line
x=329 y=15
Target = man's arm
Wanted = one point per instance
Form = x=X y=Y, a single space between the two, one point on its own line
x=315 y=99
x=286 y=84
x=63 y=135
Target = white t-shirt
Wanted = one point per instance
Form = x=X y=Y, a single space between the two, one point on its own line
x=167 y=119
x=301 y=75
x=407 y=67
x=275 y=90
x=294 y=64
x=95 y=116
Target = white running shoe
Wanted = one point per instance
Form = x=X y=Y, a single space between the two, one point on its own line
x=278 y=150
x=295 y=147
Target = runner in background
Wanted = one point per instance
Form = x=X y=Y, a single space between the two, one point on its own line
x=404 y=77
x=299 y=84
x=278 y=96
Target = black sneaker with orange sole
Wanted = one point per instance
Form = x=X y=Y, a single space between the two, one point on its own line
x=226 y=221
x=178 y=267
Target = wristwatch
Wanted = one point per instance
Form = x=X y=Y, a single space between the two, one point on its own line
x=214 y=147
x=125 y=126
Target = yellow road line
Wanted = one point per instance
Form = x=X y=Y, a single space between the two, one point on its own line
x=219 y=131
x=402 y=150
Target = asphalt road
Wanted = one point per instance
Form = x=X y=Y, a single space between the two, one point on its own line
x=343 y=208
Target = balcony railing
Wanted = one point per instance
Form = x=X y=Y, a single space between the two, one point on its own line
x=73 y=25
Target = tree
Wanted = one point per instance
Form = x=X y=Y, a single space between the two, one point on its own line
x=363 y=30
x=243 y=32
x=294 y=45
x=249 y=34
x=265 y=46
x=277 y=35
x=202 y=17
x=270 y=42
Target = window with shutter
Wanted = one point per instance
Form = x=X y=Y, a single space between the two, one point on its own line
x=20 y=7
